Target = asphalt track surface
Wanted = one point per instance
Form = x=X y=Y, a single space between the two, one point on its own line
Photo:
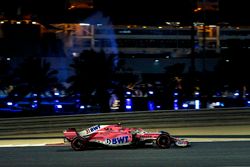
x=200 y=154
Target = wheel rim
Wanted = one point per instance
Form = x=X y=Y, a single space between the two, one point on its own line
x=78 y=144
x=163 y=142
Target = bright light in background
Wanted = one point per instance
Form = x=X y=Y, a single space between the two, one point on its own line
x=156 y=62
x=128 y=104
x=34 y=105
x=197 y=9
x=56 y=93
x=176 y=107
x=74 y=54
x=151 y=92
x=84 y=24
x=80 y=4
x=128 y=93
x=197 y=104
x=9 y=103
x=236 y=94
x=185 y=105
x=158 y=107
x=151 y=105
x=58 y=106
x=173 y=23
x=196 y=93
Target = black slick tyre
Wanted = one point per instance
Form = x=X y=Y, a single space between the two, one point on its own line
x=163 y=141
x=79 y=143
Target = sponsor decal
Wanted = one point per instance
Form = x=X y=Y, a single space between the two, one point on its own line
x=93 y=128
x=117 y=140
x=147 y=136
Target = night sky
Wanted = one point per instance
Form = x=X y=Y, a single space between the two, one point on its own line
x=132 y=11
x=235 y=12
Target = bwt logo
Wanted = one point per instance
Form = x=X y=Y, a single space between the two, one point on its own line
x=118 y=140
x=94 y=128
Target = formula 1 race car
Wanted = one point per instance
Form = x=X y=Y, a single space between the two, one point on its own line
x=117 y=135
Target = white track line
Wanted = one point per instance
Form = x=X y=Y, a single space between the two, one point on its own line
x=23 y=145
x=217 y=139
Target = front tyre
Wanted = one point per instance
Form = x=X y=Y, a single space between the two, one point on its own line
x=78 y=143
x=163 y=141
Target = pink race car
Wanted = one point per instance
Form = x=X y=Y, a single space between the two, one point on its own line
x=116 y=135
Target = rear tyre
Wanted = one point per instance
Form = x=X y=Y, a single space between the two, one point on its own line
x=163 y=141
x=78 y=143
